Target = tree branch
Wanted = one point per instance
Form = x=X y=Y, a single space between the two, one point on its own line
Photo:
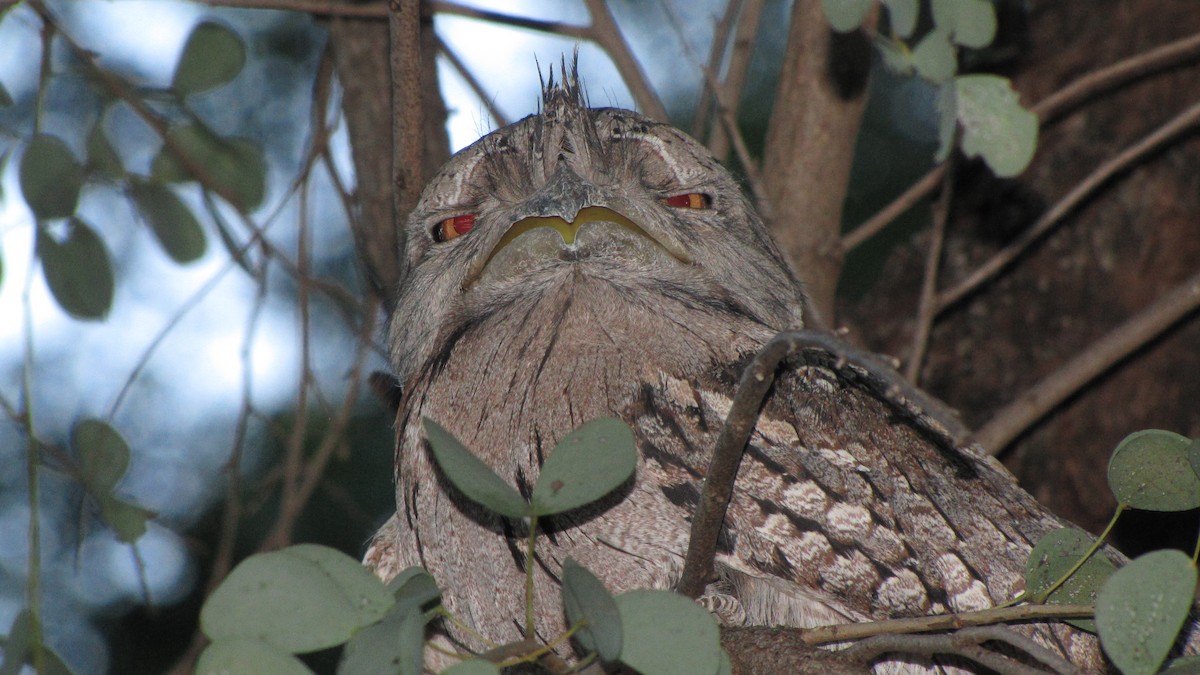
x=1128 y=157
x=927 y=304
x=1012 y=420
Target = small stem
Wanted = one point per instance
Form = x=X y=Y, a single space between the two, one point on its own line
x=441 y=611
x=529 y=628
x=1041 y=597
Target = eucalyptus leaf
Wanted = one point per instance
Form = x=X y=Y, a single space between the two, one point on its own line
x=170 y=219
x=995 y=126
x=586 y=599
x=50 y=177
x=299 y=599
x=17 y=643
x=1141 y=609
x=242 y=656
x=587 y=464
x=213 y=55
x=972 y=23
x=471 y=475
x=232 y=167
x=416 y=591
x=935 y=58
x=1053 y=556
x=394 y=645
x=846 y=15
x=102 y=158
x=903 y=15
x=77 y=270
x=897 y=57
x=667 y=634
x=1152 y=470
x=126 y=519
x=103 y=454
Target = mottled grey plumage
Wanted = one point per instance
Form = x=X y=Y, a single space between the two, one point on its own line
x=846 y=508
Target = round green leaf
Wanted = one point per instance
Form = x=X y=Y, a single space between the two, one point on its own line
x=902 y=14
x=50 y=177
x=1142 y=607
x=665 y=633
x=971 y=22
x=171 y=221
x=233 y=167
x=395 y=644
x=995 y=126
x=101 y=156
x=212 y=56
x=77 y=270
x=127 y=520
x=585 y=598
x=247 y=657
x=1053 y=556
x=472 y=667
x=299 y=599
x=103 y=454
x=471 y=475
x=846 y=15
x=1152 y=470
x=934 y=57
x=896 y=56
x=587 y=464
x=416 y=591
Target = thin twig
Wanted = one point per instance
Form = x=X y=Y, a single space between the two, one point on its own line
x=927 y=304
x=1012 y=420
x=727 y=120
x=1082 y=191
x=604 y=32
x=1048 y=110
x=872 y=648
x=366 y=10
x=735 y=75
x=716 y=57
x=755 y=381
x=554 y=27
x=489 y=102
x=822 y=635
x=1171 y=55
x=999 y=633
x=873 y=225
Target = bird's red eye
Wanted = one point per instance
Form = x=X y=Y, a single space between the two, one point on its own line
x=453 y=228
x=691 y=200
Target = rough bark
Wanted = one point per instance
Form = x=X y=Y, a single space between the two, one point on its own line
x=810 y=146
x=361 y=50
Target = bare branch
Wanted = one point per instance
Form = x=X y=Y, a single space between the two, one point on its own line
x=1012 y=420
x=1171 y=55
x=605 y=32
x=366 y=10
x=716 y=57
x=735 y=76
x=927 y=304
x=1130 y=156
x=553 y=27
x=1049 y=110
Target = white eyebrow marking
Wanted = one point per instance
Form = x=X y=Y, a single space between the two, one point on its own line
x=660 y=147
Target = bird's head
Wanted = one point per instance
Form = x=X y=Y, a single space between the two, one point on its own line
x=579 y=195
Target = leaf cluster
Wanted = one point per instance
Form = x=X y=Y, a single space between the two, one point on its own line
x=305 y=598
x=76 y=263
x=1141 y=607
x=925 y=38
